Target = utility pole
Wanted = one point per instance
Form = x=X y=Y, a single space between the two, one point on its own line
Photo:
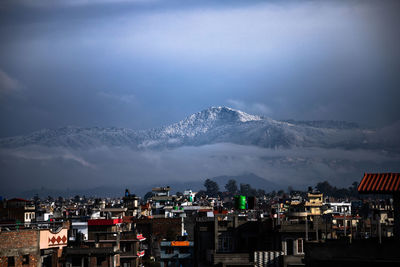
x=279 y=220
x=306 y=226
x=316 y=226
x=380 y=231
x=326 y=227
x=351 y=229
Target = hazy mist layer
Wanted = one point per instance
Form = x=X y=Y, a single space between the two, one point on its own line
x=59 y=168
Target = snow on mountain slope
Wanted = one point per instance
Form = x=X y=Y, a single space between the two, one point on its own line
x=211 y=126
x=205 y=120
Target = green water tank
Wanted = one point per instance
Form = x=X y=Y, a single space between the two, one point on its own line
x=240 y=202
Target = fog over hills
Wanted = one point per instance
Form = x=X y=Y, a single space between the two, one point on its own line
x=214 y=142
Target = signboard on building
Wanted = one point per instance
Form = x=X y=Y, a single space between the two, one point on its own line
x=180 y=243
x=53 y=239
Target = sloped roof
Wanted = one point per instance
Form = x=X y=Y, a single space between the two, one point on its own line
x=380 y=183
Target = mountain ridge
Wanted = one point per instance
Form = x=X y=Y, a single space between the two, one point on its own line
x=211 y=126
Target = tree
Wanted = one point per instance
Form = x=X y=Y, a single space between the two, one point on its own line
x=231 y=187
x=325 y=188
x=200 y=194
x=353 y=189
x=212 y=188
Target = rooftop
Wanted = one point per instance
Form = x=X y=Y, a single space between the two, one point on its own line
x=380 y=183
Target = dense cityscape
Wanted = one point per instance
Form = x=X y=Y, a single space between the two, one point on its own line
x=235 y=226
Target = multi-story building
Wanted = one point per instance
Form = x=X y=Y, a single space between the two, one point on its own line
x=110 y=242
x=177 y=253
x=17 y=210
x=33 y=247
x=314 y=204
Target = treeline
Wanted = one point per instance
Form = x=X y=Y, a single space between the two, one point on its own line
x=333 y=191
x=232 y=188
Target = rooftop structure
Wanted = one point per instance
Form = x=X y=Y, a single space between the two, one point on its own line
x=161 y=191
x=380 y=183
x=384 y=183
x=314 y=203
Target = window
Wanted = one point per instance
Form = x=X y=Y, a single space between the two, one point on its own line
x=289 y=246
x=300 y=246
x=25 y=259
x=76 y=261
x=224 y=243
x=169 y=250
x=11 y=261
x=126 y=247
x=100 y=260
x=184 y=250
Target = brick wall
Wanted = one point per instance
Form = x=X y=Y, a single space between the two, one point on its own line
x=19 y=244
x=19 y=261
x=159 y=227
x=19 y=239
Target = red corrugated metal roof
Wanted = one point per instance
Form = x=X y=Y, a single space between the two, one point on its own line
x=380 y=183
x=104 y=222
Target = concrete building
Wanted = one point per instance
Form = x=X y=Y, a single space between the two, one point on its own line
x=177 y=253
x=339 y=208
x=156 y=230
x=131 y=203
x=314 y=204
x=17 y=210
x=231 y=240
x=384 y=183
x=33 y=247
x=110 y=242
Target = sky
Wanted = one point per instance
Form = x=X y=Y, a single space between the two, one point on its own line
x=147 y=63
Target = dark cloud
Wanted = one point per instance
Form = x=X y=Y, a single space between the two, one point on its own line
x=300 y=60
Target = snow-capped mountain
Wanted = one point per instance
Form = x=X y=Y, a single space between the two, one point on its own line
x=218 y=141
x=211 y=126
